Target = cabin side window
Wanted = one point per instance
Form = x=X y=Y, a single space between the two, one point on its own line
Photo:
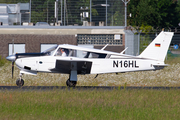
x=78 y=53
x=62 y=52
x=86 y=54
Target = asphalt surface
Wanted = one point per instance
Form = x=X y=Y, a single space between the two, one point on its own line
x=43 y=88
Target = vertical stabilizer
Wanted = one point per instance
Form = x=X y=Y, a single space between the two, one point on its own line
x=158 y=48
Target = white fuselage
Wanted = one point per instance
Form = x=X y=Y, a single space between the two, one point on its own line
x=115 y=65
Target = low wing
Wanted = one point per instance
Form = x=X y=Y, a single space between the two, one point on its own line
x=28 y=72
x=64 y=66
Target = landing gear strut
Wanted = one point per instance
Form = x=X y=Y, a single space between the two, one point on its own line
x=20 y=81
x=71 y=83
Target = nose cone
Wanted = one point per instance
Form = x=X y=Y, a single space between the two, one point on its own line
x=11 y=58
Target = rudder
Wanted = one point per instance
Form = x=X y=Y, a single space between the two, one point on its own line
x=158 y=48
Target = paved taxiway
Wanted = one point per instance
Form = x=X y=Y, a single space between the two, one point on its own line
x=27 y=88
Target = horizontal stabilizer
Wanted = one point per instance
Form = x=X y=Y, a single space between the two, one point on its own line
x=165 y=65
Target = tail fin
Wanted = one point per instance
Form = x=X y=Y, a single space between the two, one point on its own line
x=158 y=48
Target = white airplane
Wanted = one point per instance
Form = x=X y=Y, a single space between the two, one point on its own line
x=74 y=60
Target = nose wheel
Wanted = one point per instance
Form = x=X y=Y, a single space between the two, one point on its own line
x=19 y=82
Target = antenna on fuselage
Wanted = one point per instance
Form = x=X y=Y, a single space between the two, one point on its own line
x=124 y=50
x=104 y=46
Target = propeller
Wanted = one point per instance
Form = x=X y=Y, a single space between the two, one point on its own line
x=12 y=61
x=12 y=58
x=12 y=69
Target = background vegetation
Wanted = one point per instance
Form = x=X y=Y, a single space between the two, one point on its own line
x=156 y=13
x=3 y=61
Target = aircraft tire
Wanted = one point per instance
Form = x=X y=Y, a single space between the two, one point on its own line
x=71 y=83
x=19 y=83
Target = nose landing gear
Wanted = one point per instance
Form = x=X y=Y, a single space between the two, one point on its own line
x=20 y=81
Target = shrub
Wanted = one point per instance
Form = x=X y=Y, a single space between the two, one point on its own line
x=2 y=61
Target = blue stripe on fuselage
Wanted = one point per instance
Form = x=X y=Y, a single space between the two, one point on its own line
x=24 y=55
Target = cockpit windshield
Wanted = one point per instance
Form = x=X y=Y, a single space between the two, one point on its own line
x=50 y=51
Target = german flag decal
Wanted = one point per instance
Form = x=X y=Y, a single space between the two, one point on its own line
x=157 y=45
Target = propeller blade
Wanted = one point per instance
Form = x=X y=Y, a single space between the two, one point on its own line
x=12 y=69
x=12 y=57
x=13 y=47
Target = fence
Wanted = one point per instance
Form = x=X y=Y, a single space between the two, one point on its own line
x=75 y=12
x=138 y=41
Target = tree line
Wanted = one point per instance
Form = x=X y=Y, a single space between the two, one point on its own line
x=155 y=13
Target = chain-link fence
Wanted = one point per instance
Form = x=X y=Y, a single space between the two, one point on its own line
x=71 y=12
x=174 y=48
x=137 y=41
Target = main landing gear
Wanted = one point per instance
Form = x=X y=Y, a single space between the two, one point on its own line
x=20 y=81
x=71 y=83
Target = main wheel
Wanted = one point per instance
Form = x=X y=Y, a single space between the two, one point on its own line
x=19 y=82
x=71 y=83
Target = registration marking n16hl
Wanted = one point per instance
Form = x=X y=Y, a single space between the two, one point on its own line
x=125 y=64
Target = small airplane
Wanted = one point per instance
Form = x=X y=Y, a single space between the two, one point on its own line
x=74 y=60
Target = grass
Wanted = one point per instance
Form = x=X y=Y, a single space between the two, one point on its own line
x=90 y=104
x=93 y=104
